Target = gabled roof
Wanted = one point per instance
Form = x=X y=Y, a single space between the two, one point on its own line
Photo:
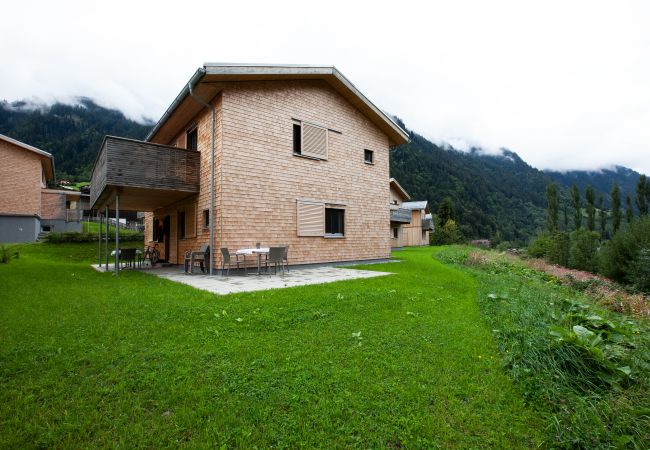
x=398 y=187
x=208 y=81
x=46 y=158
x=421 y=204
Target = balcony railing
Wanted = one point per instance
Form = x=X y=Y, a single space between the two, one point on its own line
x=427 y=224
x=400 y=215
x=73 y=215
x=146 y=175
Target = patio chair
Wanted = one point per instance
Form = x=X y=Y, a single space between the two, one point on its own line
x=202 y=256
x=286 y=256
x=276 y=256
x=228 y=260
x=127 y=257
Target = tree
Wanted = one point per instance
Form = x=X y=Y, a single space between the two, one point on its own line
x=577 y=213
x=616 y=208
x=553 y=205
x=629 y=213
x=601 y=216
x=445 y=211
x=642 y=196
x=565 y=211
x=590 y=198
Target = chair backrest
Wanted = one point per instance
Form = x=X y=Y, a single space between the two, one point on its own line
x=226 y=255
x=127 y=254
x=286 y=251
x=276 y=254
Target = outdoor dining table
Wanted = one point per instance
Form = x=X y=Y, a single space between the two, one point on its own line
x=253 y=251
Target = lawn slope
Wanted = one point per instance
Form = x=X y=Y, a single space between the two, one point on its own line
x=398 y=361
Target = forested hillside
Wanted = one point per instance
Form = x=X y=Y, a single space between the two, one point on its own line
x=494 y=196
x=72 y=133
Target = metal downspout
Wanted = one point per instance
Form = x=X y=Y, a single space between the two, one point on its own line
x=212 y=108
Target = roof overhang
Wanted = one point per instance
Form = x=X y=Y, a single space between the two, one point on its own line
x=46 y=158
x=209 y=80
x=398 y=187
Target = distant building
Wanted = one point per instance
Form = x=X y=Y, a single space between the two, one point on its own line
x=410 y=221
x=27 y=206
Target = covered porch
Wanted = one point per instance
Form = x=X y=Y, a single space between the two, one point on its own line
x=132 y=175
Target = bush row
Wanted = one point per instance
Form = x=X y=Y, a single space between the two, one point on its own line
x=58 y=238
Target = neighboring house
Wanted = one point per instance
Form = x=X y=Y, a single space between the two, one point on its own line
x=300 y=159
x=410 y=221
x=27 y=207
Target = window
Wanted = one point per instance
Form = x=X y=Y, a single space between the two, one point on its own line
x=395 y=233
x=317 y=218
x=310 y=140
x=206 y=218
x=297 y=139
x=192 y=140
x=181 y=224
x=368 y=156
x=334 y=219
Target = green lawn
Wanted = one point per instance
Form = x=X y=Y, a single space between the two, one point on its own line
x=93 y=227
x=407 y=360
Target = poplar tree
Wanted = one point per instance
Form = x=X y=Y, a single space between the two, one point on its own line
x=553 y=203
x=601 y=216
x=616 y=208
x=577 y=214
x=642 y=196
x=629 y=213
x=590 y=198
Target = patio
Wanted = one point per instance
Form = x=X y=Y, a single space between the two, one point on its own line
x=297 y=276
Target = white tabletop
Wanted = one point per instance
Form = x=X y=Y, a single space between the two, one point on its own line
x=250 y=251
x=137 y=252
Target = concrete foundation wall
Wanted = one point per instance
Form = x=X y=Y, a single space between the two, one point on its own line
x=18 y=229
x=61 y=226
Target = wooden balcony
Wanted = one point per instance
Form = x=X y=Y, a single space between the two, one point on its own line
x=400 y=215
x=427 y=224
x=146 y=176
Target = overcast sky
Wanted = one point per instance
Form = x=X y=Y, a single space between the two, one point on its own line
x=566 y=84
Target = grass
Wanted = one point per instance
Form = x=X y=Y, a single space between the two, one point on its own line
x=406 y=360
x=586 y=369
x=93 y=227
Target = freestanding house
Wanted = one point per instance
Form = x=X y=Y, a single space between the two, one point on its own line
x=410 y=221
x=27 y=206
x=281 y=155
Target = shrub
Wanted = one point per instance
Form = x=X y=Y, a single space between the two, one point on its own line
x=58 y=238
x=446 y=235
x=558 y=249
x=6 y=254
x=623 y=258
x=538 y=247
x=584 y=250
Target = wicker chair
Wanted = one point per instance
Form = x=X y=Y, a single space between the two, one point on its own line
x=127 y=257
x=227 y=259
x=202 y=257
x=276 y=256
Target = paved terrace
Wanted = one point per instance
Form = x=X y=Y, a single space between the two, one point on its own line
x=237 y=282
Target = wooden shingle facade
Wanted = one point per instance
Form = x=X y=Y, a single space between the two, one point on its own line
x=290 y=167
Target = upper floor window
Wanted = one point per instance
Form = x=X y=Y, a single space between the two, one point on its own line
x=369 y=156
x=334 y=221
x=192 y=142
x=310 y=140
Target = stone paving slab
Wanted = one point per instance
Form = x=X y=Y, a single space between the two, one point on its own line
x=253 y=282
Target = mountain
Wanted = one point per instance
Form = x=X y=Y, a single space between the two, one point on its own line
x=72 y=133
x=600 y=180
x=495 y=196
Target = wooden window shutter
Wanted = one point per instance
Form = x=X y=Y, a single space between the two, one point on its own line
x=311 y=218
x=190 y=221
x=314 y=141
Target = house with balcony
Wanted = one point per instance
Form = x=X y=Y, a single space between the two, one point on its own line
x=410 y=221
x=27 y=206
x=282 y=155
